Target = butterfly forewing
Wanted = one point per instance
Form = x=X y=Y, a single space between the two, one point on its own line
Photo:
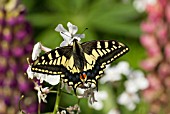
x=101 y=53
x=104 y=51
x=53 y=62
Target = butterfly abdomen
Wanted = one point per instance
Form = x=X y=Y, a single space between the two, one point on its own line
x=78 y=55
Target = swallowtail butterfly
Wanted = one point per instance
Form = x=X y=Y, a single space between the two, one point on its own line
x=80 y=64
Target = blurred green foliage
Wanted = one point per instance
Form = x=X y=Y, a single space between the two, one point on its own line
x=105 y=19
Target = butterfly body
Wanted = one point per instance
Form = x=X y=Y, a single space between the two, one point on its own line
x=80 y=64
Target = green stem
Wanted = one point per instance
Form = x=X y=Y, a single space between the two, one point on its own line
x=57 y=99
x=39 y=106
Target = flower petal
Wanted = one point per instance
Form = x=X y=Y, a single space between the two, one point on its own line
x=60 y=28
x=130 y=86
x=40 y=76
x=80 y=35
x=97 y=105
x=66 y=36
x=113 y=111
x=53 y=79
x=30 y=73
x=72 y=28
x=64 y=43
x=129 y=100
x=71 y=40
x=36 y=51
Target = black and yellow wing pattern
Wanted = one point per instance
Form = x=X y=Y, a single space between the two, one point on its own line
x=80 y=63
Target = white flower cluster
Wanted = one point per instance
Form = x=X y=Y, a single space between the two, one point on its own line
x=135 y=81
x=100 y=96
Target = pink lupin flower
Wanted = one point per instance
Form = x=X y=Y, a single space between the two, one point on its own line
x=162 y=33
x=157 y=44
x=154 y=89
x=148 y=26
x=167 y=51
x=167 y=12
x=155 y=12
x=163 y=70
x=149 y=41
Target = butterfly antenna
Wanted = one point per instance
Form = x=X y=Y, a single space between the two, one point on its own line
x=83 y=32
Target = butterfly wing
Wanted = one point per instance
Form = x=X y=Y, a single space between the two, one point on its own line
x=61 y=62
x=100 y=53
x=53 y=62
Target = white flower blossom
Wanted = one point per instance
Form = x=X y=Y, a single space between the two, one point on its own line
x=36 y=51
x=87 y=93
x=42 y=92
x=113 y=111
x=62 y=112
x=51 y=79
x=129 y=100
x=69 y=35
x=73 y=109
x=141 y=5
x=136 y=82
x=115 y=73
x=100 y=96
x=30 y=73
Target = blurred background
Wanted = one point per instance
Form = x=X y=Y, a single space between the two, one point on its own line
x=143 y=25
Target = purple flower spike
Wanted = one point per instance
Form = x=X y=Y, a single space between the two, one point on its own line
x=23 y=87
x=7 y=37
x=11 y=21
x=13 y=52
x=18 y=51
x=21 y=35
x=21 y=19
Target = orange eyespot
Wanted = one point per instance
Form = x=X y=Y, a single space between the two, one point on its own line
x=83 y=77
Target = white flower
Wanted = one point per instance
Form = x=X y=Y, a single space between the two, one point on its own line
x=136 y=82
x=129 y=100
x=141 y=5
x=51 y=79
x=30 y=73
x=69 y=35
x=62 y=112
x=115 y=73
x=37 y=50
x=113 y=111
x=100 y=96
x=42 y=93
x=87 y=93
x=73 y=109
